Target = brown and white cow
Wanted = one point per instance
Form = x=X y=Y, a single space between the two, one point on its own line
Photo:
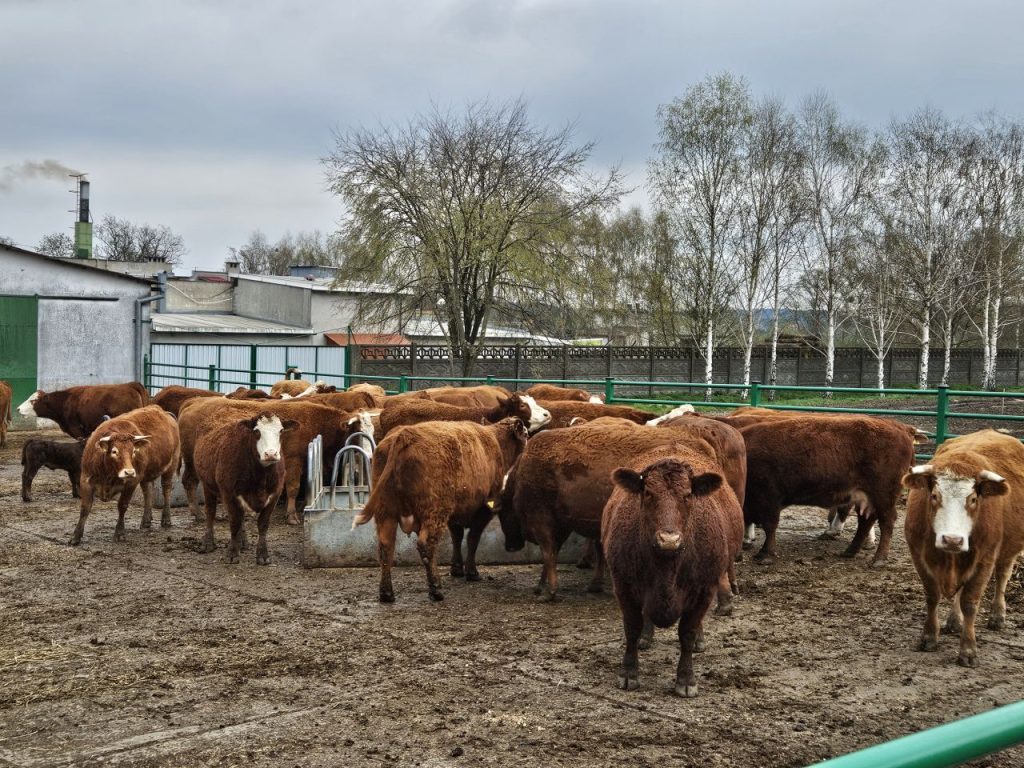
x=552 y=392
x=241 y=465
x=6 y=393
x=79 y=410
x=439 y=474
x=965 y=520
x=374 y=390
x=123 y=453
x=290 y=387
x=483 y=396
x=399 y=413
x=172 y=397
x=670 y=530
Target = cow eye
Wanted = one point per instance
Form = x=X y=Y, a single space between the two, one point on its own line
x=972 y=500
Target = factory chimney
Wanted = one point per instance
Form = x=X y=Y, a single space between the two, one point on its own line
x=83 y=225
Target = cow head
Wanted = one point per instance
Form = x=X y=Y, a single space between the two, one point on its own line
x=361 y=422
x=537 y=417
x=667 y=417
x=120 y=451
x=266 y=436
x=954 y=499
x=511 y=524
x=28 y=408
x=666 y=488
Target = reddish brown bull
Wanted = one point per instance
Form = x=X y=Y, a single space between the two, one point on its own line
x=551 y=392
x=965 y=520
x=343 y=401
x=439 y=474
x=6 y=394
x=244 y=393
x=484 y=396
x=171 y=398
x=240 y=464
x=123 y=453
x=79 y=410
x=399 y=413
x=672 y=527
x=565 y=412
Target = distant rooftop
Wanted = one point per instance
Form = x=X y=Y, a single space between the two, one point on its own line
x=215 y=322
x=320 y=284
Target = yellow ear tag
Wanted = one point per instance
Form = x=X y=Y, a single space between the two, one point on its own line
x=490 y=504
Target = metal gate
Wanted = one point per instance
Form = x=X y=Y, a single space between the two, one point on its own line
x=19 y=333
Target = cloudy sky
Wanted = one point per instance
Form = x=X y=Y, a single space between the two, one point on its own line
x=211 y=117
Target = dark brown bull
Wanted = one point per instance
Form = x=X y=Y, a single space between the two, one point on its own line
x=79 y=410
x=123 y=453
x=551 y=392
x=36 y=454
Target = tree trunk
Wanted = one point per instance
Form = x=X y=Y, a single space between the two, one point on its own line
x=947 y=352
x=926 y=347
x=993 y=344
x=830 y=352
x=709 y=363
x=749 y=341
x=985 y=336
x=773 y=370
x=881 y=371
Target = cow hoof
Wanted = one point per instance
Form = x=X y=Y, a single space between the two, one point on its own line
x=457 y=572
x=263 y=560
x=738 y=558
x=595 y=588
x=386 y=597
x=28 y=499
x=629 y=680
x=996 y=622
x=645 y=642
x=698 y=644
x=119 y=535
x=748 y=545
x=145 y=525
x=75 y=541
x=233 y=559
x=165 y=523
x=546 y=596
x=208 y=546
x=967 y=659
x=293 y=519
x=436 y=597
x=472 y=575
x=764 y=559
x=928 y=643
x=880 y=562
x=828 y=536
x=686 y=691
x=724 y=609
x=952 y=627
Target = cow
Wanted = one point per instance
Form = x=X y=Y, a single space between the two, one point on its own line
x=374 y=390
x=51 y=454
x=564 y=412
x=563 y=480
x=825 y=461
x=965 y=520
x=404 y=412
x=484 y=396
x=434 y=475
x=241 y=464
x=343 y=401
x=6 y=394
x=551 y=392
x=244 y=393
x=316 y=388
x=123 y=453
x=671 y=528
x=172 y=397
x=79 y=410
x=199 y=416
x=290 y=387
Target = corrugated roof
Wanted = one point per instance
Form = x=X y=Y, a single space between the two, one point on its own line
x=321 y=284
x=212 y=322
x=425 y=326
x=78 y=265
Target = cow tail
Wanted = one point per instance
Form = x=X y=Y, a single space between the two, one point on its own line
x=24 y=450
x=374 y=503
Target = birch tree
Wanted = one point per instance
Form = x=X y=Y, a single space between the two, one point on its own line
x=881 y=306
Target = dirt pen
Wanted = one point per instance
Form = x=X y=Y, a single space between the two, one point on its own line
x=149 y=653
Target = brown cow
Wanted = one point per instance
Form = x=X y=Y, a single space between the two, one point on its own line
x=343 y=401
x=564 y=412
x=240 y=464
x=6 y=393
x=123 y=453
x=965 y=520
x=172 y=397
x=551 y=392
x=375 y=391
x=244 y=393
x=824 y=461
x=316 y=388
x=672 y=527
x=484 y=396
x=429 y=476
x=79 y=410
x=51 y=454
x=290 y=387
x=413 y=411
x=563 y=480
x=199 y=416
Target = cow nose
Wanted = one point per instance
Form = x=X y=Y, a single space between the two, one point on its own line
x=127 y=473
x=271 y=456
x=954 y=543
x=669 y=541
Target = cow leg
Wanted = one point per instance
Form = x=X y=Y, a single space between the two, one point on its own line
x=86 y=508
x=473 y=541
x=596 y=584
x=930 y=634
x=633 y=625
x=724 y=593
x=458 y=568
x=28 y=474
x=236 y=517
x=646 y=635
x=426 y=545
x=997 y=611
x=970 y=596
x=292 y=491
x=147 y=506
x=262 y=523
x=190 y=481
x=586 y=560
x=863 y=524
x=122 y=507
x=210 y=503
x=836 y=521
x=690 y=640
x=886 y=523
x=74 y=484
x=768 y=552
x=955 y=618
x=165 y=487
x=548 y=587
x=749 y=536
x=387 y=530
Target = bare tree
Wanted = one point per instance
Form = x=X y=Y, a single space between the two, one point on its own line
x=839 y=171
x=695 y=177
x=879 y=297
x=451 y=212
x=59 y=245
x=122 y=240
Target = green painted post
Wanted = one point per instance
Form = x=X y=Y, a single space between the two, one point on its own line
x=490 y=381
x=212 y=378
x=941 y=409
x=403 y=384
x=252 y=366
x=609 y=390
x=755 y=393
x=147 y=373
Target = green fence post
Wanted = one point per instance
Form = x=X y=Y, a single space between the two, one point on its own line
x=147 y=374
x=403 y=384
x=490 y=381
x=212 y=380
x=609 y=389
x=755 y=393
x=252 y=366
x=941 y=409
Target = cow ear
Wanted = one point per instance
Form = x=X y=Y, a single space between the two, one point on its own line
x=708 y=482
x=629 y=479
x=140 y=439
x=287 y=424
x=250 y=423
x=104 y=443
x=990 y=484
x=919 y=478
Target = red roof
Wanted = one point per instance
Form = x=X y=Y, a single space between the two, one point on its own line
x=366 y=339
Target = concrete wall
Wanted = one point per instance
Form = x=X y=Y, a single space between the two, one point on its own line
x=199 y=296
x=269 y=301
x=332 y=313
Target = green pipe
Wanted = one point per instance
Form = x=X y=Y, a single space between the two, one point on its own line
x=946 y=745
x=942 y=406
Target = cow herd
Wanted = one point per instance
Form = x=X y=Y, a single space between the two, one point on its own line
x=668 y=502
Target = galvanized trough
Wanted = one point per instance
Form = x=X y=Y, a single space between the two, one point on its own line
x=328 y=540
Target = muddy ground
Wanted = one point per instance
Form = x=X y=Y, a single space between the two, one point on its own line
x=149 y=653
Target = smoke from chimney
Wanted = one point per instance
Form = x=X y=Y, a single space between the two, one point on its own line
x=44 y=169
